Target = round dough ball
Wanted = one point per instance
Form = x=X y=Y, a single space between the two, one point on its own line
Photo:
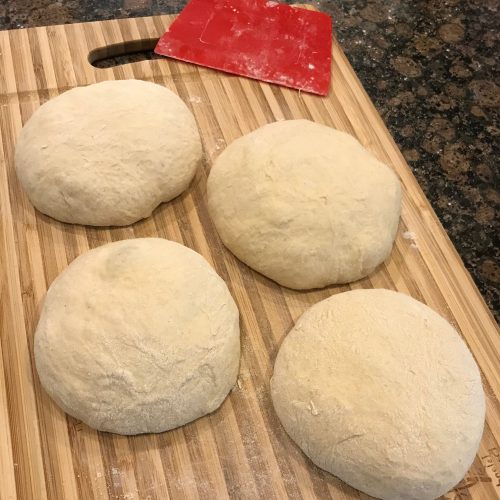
x=381 y=391
x=138 y=336
x=108 y=154
x=304 y=204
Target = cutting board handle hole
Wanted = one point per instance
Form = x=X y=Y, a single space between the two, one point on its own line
x=123 y=53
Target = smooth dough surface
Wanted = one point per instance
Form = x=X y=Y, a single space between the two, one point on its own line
x=108 y=154
x=381 y=391
x=304 y=204
x=138 y=336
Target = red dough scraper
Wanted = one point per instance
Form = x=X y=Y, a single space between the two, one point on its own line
x=260 y=39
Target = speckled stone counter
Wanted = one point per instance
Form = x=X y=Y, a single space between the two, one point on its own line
x=432 y=69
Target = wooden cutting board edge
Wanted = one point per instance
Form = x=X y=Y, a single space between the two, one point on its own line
x=438 y=253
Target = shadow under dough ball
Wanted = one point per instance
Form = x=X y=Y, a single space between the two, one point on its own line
x=304 y=204
x=108 y=154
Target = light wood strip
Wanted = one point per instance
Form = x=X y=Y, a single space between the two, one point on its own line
x=8 y=490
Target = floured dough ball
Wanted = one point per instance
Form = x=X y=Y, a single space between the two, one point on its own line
x=304 y=204
x=108 y=154
x=381 y=391
x=138 y=336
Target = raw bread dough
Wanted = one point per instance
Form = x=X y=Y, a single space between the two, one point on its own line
x=108 y=154
x=304 y=204
x=138 y=336
x=381 y=391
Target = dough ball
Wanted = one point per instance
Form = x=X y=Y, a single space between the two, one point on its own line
x=304 y=204
x=138 y=336
x=381 y=391
x=108 y=154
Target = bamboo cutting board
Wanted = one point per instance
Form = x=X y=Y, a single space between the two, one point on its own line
x=240 y=451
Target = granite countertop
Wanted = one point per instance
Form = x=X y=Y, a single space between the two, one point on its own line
x=430 y=66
